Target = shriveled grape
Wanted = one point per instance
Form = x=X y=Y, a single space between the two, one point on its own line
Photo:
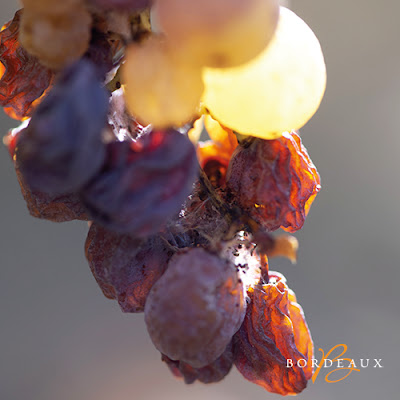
x=23 y=79
x=211 y=373
x=223 y=33
x=125 y=267
x=280 y=90
x=55 y=208
x=142 y=184
x=268 y=337
x=159 y=89
x=194 y=309
x=62 y=149
x=274 y=181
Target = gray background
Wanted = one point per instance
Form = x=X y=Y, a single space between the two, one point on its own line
x=61 y=339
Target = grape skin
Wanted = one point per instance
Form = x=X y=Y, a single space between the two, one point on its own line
x=220 y=34
x=278 y=91
x=53 y=150
x=159 y=89
x=194 y=309
x=58 y=38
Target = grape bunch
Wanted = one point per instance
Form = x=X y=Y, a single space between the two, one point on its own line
x=171 y=127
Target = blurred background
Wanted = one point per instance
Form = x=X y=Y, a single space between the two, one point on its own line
x=61 y=339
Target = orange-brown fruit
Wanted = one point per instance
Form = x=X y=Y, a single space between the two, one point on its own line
x=274 y=331
x=23 y=79
x=274 y=181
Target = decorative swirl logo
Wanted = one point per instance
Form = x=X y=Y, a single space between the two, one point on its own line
x=343 y=364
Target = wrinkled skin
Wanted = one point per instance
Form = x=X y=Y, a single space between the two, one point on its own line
x=273 y=331
x=22 y=78
x=142 y=184
x=194 y=309
x=125 y=268
x=62 y=148
x=58 y=208
x=274 y=181
x=214 y=372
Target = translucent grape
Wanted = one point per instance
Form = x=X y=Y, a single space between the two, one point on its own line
x=223 y=33
x=56 y=39
x=160 y=90
x=278 y=91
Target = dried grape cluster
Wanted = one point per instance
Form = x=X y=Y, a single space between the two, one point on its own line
x=114 y=97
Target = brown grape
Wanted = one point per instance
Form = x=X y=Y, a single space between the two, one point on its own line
x=125 y=267
x=23 y=79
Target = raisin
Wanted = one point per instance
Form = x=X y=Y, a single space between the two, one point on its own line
x=274 y=181
x=143 y=183
x=125 y=268
x=274 y=330
x=195 y=308
x=23 y=79
x=58 y=208
x=211 y=373
x=62 y=149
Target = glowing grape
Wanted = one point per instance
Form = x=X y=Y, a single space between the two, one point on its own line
x=278 y=91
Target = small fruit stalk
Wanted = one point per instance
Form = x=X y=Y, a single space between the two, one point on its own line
x=114 y=97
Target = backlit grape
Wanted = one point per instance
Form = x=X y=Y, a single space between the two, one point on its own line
x=159 y=89
x=222 y=33
x=278 y=91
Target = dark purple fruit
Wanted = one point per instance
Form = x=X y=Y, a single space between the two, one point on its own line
x=143 y=183
x=125 y=268
x=62 y=148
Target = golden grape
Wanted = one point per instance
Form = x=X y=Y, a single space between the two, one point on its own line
x=278 y=91
x=223 y=33
x=56 y=39
x=159 y=89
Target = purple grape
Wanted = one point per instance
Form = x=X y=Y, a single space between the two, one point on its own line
x=58 y=208
x=62 y=148
x=211 y=373
x=125 y=267
x=143 y=183
x=195 y=308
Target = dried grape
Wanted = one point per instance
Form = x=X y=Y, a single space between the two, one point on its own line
x=268 y=338
x=125 y=267
x=23 y=79
x=274 y=181
x=194 y=309
x=143 y=184
x=62 y=149
x=211 y=373
x=55 y=208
